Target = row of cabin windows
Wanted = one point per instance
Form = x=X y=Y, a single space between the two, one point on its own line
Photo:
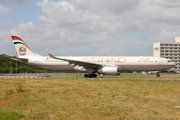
x=146 y=61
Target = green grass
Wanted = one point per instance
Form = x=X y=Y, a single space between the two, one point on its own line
x=61 y=97
x=7 y=115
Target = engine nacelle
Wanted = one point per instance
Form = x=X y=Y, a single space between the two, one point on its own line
x=109 y=71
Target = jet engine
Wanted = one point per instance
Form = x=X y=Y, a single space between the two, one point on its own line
x=109 y=70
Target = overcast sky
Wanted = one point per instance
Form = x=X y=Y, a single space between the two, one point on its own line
x=89 y=27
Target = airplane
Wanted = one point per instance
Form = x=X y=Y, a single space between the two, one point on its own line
x=93 y=65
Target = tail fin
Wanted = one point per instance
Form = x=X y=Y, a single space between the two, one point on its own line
x=22 y=48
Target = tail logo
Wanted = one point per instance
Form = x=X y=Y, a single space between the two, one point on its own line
x=22 y=51
x=21 y=47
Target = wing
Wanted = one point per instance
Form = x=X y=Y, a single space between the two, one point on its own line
x=86 y=65
x=77 y=62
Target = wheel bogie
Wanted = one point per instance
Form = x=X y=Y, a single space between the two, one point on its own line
x=90 y=75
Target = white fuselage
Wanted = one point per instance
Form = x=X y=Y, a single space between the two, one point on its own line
x=104 y=65
x=125 y=63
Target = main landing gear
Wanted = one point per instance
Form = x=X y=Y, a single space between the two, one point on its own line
x=90 y=75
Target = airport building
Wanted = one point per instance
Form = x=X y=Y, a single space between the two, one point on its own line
x=170 y=51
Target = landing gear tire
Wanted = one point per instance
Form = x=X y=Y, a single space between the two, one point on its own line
x=90 y=75
x=86 y=75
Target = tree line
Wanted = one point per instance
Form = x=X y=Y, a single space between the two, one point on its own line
x=10 y=66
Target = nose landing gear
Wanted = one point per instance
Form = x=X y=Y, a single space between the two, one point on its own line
x=158 y=74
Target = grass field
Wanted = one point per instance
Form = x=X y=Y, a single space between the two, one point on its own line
x=59 y=98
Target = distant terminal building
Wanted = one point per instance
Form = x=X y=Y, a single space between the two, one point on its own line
x=170 y=51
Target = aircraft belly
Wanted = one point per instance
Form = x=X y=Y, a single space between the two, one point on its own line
x=144 y=67
x=57 y=67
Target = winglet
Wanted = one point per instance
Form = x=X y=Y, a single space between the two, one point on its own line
x=52 y=56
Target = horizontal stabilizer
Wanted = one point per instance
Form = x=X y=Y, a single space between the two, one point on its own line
x=17 y=59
